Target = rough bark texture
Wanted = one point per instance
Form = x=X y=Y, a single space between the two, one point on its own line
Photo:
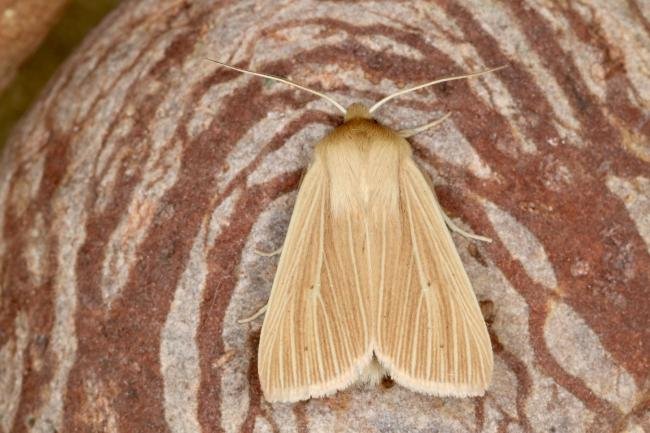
x=23 y=25
x=135 y=191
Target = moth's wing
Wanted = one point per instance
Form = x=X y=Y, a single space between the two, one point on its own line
x=431 y=334
x=315 y=339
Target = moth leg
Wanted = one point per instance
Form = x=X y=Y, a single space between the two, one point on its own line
x=255 y=315
x=406 y=133
x=454 y=228
x=268 y=254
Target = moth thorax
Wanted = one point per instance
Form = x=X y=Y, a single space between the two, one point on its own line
x=357 y=111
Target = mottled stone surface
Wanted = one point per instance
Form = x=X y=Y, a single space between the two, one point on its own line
x=134 y=193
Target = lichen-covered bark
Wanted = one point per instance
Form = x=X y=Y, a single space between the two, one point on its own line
x=134 y=193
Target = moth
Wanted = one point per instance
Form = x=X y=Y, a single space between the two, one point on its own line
x=369 y=282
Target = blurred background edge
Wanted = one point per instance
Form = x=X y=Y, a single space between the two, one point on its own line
x=36 y=36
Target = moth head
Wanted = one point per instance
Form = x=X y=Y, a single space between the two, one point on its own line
x=357 y=111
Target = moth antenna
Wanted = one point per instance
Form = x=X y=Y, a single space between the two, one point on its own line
x=282 y=80
x=406 y=133
x=431 y=83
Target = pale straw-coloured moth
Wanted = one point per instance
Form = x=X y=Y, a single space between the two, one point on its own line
x=369 y=282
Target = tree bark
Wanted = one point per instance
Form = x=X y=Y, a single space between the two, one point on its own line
x=136 y=190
